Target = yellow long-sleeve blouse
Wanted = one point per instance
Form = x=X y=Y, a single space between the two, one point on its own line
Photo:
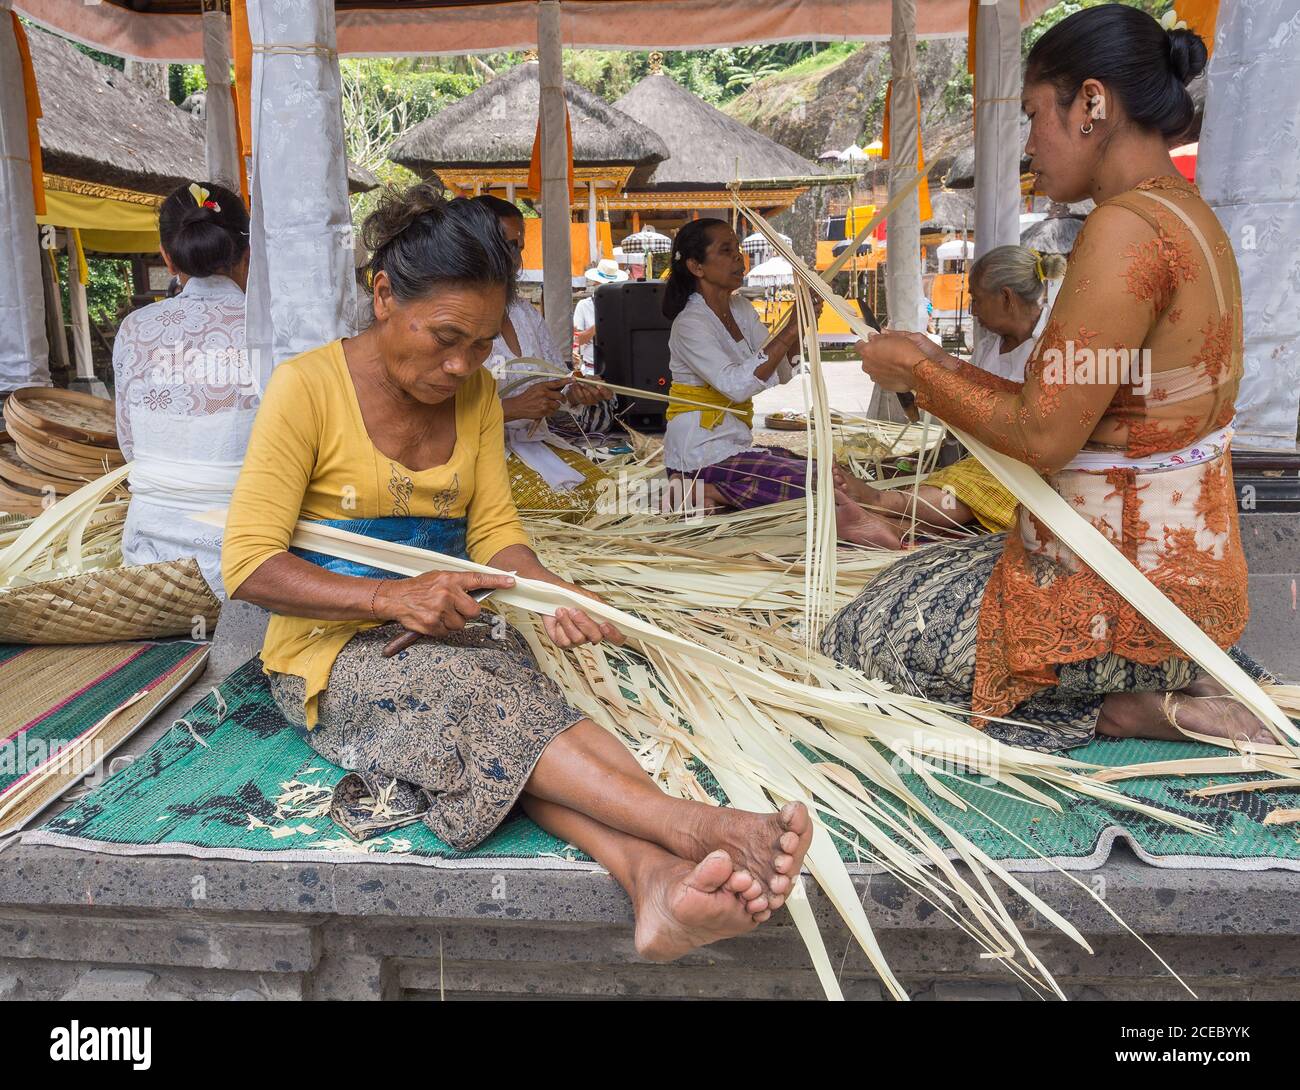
x=310 y=457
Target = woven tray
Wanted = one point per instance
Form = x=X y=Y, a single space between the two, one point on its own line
x=16 y=500
x=68 y=413
x=15 y=471
x=19 y=429
x=137 y=602
x=57 y=467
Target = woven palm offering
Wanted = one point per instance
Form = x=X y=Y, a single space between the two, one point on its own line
x=62 y=579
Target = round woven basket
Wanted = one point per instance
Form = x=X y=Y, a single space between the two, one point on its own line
x=136 y=602
x=68 y=413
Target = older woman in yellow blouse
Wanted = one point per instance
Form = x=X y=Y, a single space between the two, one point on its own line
x=397 y=434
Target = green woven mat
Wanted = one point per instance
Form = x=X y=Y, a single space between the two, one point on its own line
x=210 y=787
x=67 y=715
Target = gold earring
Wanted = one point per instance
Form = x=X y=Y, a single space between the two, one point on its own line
x=1086 y=129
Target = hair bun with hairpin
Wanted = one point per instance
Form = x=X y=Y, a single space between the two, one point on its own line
x=1187 y=52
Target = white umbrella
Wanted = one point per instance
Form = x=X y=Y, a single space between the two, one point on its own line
x=853 y=154
x=772 y=273
x=647 y=241
x=956 y=249
x=759 y=249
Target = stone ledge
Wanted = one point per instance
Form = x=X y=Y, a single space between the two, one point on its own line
x=1163 y=901
x=77 y=924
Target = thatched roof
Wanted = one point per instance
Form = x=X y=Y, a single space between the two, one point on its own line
x=706 y=146
x=98 y=125
x=496 y=125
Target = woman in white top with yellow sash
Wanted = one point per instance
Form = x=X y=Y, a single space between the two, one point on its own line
x=718 y=357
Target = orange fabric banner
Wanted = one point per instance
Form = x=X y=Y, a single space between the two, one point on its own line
x=241 y=49
x=923 y=193
x=33 y=99
x=535 y=163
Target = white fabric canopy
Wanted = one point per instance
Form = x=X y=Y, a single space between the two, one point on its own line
x=997 y=127
x=1249 y=171
x=220 y=140
x=24 y=352
x=406 y=29
x=301 y=291
x=773 y=273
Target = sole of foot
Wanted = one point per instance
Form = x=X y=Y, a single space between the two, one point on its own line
x=859 y=527
x=682 y=907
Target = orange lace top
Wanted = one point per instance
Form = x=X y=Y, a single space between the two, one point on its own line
x=1141 y=356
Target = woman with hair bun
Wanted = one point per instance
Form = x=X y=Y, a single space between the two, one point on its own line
x=721 y=354
x=1125 y=408
x=397 y=434
x=185 y=393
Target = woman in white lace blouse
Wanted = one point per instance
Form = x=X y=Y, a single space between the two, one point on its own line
x=186 y=394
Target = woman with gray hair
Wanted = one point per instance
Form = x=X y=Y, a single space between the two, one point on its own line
x=1012 y=289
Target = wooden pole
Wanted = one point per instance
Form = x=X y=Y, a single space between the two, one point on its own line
x=79 y=311
x=54 y=329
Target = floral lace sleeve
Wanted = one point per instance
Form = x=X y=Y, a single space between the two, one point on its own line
x=1106 y=307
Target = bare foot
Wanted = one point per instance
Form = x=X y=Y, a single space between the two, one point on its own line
x=860 y=527
x=680 y=907
x=1205 y=708
x=770 y=847
x=1201 y=708
x=854 y=487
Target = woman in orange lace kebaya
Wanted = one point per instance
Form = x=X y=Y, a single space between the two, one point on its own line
x=1126 y=410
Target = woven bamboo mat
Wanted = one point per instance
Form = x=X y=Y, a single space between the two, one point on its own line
x=67 y=708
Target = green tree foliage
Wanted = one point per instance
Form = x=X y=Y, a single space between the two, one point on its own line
x=108 y=293
x=184 y=80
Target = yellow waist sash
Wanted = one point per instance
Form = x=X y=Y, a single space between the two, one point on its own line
x=709 y=418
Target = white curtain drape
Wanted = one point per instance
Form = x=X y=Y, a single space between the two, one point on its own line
x=1249 y=170
x=220 y=141
x=301 y=291
x=997 y=126
x=557 y=272
x=903 y=267
x=24 y=351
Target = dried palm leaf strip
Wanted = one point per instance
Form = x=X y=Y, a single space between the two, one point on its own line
x=843 y=714
x=630 y=391
x=66 y=522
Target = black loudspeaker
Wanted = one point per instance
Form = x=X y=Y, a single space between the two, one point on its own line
x=632 y=346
